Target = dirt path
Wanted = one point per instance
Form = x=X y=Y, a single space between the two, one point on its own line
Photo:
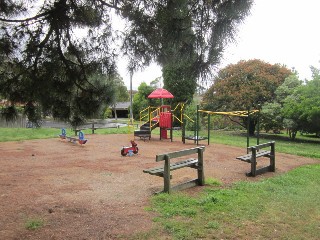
x=91 y=191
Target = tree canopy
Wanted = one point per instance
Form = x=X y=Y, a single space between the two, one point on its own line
x=301 y=109
x=140 y=99
x=245 y=85
x=187 y=38
x=59 y=56
x=271 y=113
x=48 y=66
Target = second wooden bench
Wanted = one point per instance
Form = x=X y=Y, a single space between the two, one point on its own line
x=256 y=152
x=165 y=171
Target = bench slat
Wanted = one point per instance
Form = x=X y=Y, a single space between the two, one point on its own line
x=262 y=145
x=247 y=157
x=176 y=154
x=174 y=166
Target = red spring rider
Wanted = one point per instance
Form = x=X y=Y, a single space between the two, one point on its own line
x=133 y=149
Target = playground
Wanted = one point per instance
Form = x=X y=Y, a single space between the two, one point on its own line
x=92 y=192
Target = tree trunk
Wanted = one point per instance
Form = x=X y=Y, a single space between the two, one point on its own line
x=252 y=127
x=115 y=114
x=115 y=111
x=292 y=134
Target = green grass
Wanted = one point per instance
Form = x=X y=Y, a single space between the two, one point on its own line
x=18 y=134
x=121 y=130
x=303 y=146
x=33 y=224
x=284 y=207
x=306 y=146
x=212 y=182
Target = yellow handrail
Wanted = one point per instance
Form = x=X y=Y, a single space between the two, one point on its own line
x=188 y=117
x=154 y=112
x=233 y=113
x=174 y=116
x=157 y=111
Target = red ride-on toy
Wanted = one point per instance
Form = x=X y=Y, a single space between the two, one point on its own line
x=130 y=150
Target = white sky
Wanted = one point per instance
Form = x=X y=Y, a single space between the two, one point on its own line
x=277 y=31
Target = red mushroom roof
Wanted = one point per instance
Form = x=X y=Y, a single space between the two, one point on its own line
x=160 y=93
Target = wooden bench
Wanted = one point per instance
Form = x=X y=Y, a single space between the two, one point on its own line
x=196 y=163
x=256 y=152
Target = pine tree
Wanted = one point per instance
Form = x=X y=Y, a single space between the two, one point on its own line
x=58 y=57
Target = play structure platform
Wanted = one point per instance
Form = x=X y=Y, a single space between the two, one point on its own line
x=145 y=129
x=160 y=117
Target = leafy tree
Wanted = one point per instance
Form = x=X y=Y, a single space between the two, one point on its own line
x=140 y=99
x=156 y=83
x=245 y=85
x=181 y=85
x=271 y=118
x=271 y=113
x=287 y=88
x=191 y=112
x=301 y=109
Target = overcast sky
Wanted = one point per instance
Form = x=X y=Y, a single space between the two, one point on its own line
x=277 y=31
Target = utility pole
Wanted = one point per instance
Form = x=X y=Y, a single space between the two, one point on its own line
x=131 y=113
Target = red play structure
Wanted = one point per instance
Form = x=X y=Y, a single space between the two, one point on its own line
x=165 y=121
x=163 y=117
x=157 y=117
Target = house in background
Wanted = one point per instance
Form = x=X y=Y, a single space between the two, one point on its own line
x=121 y=110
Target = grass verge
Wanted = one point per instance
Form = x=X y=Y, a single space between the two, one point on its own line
x=303 y=146
x=19 y=134
x=284 y=207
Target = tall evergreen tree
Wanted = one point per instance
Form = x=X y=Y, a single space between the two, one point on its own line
x=47 y=64
x=187 y=38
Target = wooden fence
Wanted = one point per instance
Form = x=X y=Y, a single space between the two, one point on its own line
x=19 y=122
